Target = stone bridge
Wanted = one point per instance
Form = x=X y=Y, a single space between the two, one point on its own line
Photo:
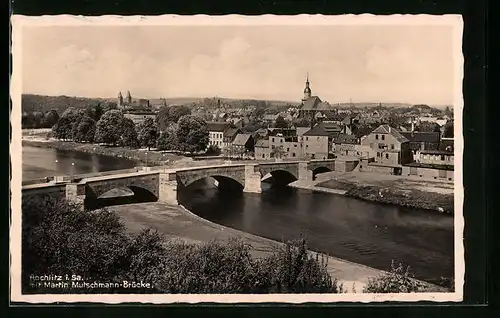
x=162 y=184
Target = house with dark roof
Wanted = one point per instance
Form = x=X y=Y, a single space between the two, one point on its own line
x=419 y=141
x=229 y=134
x=244 y=142
x=216 y=133
x=391 y=148
x=316 y=141
x=262 y=149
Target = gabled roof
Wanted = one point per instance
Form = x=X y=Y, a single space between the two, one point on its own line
x=332 y=127
x=262 y=143
x=217 y=126
x=416 y=136
x=231 y=131
x=318 y=130
x=311 y=103
x=386 y=129
x=241 y=139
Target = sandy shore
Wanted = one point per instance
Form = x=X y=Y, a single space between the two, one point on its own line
x=179 y=223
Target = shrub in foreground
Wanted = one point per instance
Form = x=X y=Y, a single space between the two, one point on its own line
x=397 y=280
x=59 y=238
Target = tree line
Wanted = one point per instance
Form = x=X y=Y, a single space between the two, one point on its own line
x=174 y=128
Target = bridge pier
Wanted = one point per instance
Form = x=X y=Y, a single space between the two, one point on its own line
x=75 y=193
x=304 y=172
x=252 y=180
x=168 y=188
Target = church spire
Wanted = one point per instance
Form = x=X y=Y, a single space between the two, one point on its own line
x=307 y=90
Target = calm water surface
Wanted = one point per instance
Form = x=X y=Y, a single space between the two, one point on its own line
x=47 y=162
x=363 y=232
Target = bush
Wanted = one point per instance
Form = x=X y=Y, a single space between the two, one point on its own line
x=59 y=238
x=397 y=280
x=213 y=150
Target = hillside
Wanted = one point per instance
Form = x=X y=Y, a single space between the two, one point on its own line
x=31 y=103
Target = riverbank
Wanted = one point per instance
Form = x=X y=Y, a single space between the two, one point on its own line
x=403 y=191
x=176 y=222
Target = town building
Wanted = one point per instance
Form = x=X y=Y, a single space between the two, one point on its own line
x=262 y=149
x=216 y=133
x=316 y=143
x=244 y=143
x=390 y=147
x=138 y=109
x=422 y=141
x=312 y=106
x=228 y=136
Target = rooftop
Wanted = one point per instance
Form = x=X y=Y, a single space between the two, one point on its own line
x=217 y=126
x=241 y=139
x=386 y=129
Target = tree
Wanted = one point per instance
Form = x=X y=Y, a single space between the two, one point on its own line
x=64 y=128
x=213 y=150
x=109 y=128
x=50 y=118
x=171 y=114
x=281 y=122
x=233 y=151
x=147 y=133
x=192 y=134
x=128 y=134
x=278 y=152
x=59 y=238
x=428 y=127
x=448 y=129
x=397 y=280
x=85 y=130
x=167 y=139
x=302 y=122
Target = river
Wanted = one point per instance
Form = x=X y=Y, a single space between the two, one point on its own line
x=363 y=232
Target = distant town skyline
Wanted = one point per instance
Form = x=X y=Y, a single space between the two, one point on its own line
x=389 y=64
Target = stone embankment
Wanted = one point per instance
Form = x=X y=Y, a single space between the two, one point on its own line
x=418 y=194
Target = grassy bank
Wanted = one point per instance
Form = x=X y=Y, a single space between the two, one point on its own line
x=411 y=198
x=152 y=158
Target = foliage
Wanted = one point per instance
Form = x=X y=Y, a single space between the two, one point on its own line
x=167 y=139
x=38 y=103
x=448 y=129
x=397 y=280
x=94 y=111
x=192 y=134
x=65 y=127
x=278 y=152
x=60 y=238
x=84 y=130
x=213 y=150
x=292 y=269
x=281 y=122
x=234 y=151
x=428 y=127
x=109 y=128
x=147 y=133
x=302 y=122
x=50 y=118
x=128 y=134
x=171 y=114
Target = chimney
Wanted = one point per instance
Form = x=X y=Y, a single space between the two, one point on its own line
x=412 y=124
x=422 y=146
x=389 y=129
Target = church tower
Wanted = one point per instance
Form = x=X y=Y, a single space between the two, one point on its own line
x=129 y=98
x=307 y=90
x=120 y=100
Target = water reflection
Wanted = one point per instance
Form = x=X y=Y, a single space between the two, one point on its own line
x=359 y=231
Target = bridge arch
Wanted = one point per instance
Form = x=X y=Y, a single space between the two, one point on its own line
x=139 y=194
x=279 y=176
x=320 y=169
x=224 y=181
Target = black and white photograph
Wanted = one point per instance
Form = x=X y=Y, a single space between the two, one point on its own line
x=229 y=159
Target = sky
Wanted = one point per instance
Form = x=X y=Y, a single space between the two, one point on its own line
x=392 y=63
